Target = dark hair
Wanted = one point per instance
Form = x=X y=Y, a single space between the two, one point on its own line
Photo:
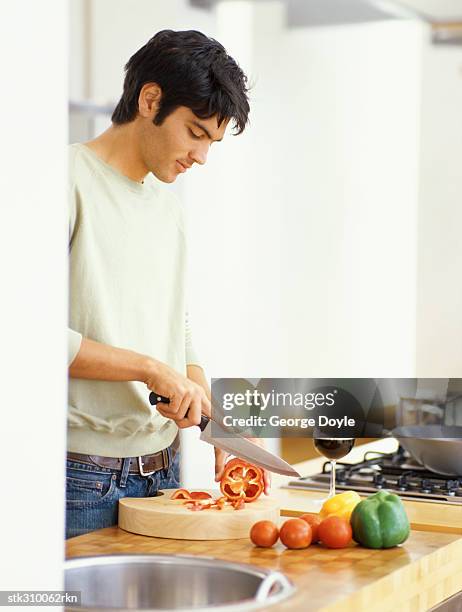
x=192 y=70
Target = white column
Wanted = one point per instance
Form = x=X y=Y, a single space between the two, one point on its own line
x=350 y=165
x=33 y=305
x=233 y=217
x=439 y=320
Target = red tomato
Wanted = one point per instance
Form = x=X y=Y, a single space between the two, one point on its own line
x=335 y=532
x=313 y=520
x=264 y=533
x=295 y=533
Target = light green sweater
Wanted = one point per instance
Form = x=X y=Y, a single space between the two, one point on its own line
x=127 y=289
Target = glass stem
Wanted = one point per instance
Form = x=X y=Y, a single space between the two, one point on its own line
x=332 y=479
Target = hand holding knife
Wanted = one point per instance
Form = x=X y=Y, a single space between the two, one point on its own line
x=236 y=445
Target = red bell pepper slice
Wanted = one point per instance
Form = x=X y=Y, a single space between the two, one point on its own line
x=242 y=480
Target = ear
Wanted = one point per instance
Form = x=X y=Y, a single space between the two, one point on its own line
x=149 y=100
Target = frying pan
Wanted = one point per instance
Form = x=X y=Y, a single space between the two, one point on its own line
x=437 y=447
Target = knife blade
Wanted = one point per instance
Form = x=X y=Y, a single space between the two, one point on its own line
x=241 y=447
x=238 y=445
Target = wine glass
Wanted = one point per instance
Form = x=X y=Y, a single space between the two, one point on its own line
x=333 y=449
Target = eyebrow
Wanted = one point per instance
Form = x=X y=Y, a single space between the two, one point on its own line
x=203 y=128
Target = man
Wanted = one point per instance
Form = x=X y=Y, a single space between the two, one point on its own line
x=129 y=331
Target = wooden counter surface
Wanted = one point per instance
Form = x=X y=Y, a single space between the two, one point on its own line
x=422 y=572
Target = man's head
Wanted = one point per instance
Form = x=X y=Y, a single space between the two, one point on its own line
x=181 y=89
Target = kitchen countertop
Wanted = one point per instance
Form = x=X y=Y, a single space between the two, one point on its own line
x=422 y=572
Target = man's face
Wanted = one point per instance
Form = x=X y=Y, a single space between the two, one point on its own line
x=181 y=141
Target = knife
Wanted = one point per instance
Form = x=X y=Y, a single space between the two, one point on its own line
x=238 y=445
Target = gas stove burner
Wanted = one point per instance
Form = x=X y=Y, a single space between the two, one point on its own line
x=379 y=481
x=369 y=471
x=395 y=472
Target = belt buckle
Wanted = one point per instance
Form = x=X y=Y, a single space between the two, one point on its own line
x=140 y=467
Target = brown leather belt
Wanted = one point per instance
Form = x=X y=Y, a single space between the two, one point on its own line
x=145 y=465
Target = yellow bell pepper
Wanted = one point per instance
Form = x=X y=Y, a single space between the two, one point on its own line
x=341 y=505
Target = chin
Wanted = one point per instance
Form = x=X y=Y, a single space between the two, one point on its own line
x=165 y=177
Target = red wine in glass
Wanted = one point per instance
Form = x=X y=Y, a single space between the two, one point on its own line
x=333 y=449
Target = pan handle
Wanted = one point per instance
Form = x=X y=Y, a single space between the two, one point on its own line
x=156 y=398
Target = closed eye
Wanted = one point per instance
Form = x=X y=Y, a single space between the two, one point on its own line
x=195 y=136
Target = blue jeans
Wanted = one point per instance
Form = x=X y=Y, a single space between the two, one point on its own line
x=93 y=492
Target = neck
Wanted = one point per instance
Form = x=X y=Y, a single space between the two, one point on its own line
x=118 y=147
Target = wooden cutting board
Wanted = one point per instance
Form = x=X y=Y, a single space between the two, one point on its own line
x=162 y=517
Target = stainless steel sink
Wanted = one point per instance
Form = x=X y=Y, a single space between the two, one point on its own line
x=172 y=582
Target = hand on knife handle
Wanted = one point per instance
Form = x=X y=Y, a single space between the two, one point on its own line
x=188 y=400
x=155 y=398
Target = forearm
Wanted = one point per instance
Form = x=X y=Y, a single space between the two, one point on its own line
x=188 y=400
x=97 y=361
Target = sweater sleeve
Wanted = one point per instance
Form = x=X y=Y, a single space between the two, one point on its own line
x=191 y=356
x=74 y=340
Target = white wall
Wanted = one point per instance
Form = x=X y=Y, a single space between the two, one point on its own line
x=311 y=262
x=234 y=210
x=306 y=225
x=233 y=219
x=439 y=320
x=352 y=188
x=33 y=306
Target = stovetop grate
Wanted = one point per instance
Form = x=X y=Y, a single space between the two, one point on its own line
x=396 y=472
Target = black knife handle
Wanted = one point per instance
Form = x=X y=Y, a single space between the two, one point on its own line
x=155 y=398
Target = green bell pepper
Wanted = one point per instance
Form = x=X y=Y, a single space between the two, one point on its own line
x=380 y=521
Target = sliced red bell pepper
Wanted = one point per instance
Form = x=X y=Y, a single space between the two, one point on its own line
x=185 y=494
x=181 y=494
x=242 y=480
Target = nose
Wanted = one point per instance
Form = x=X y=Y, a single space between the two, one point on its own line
x=199 y=153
